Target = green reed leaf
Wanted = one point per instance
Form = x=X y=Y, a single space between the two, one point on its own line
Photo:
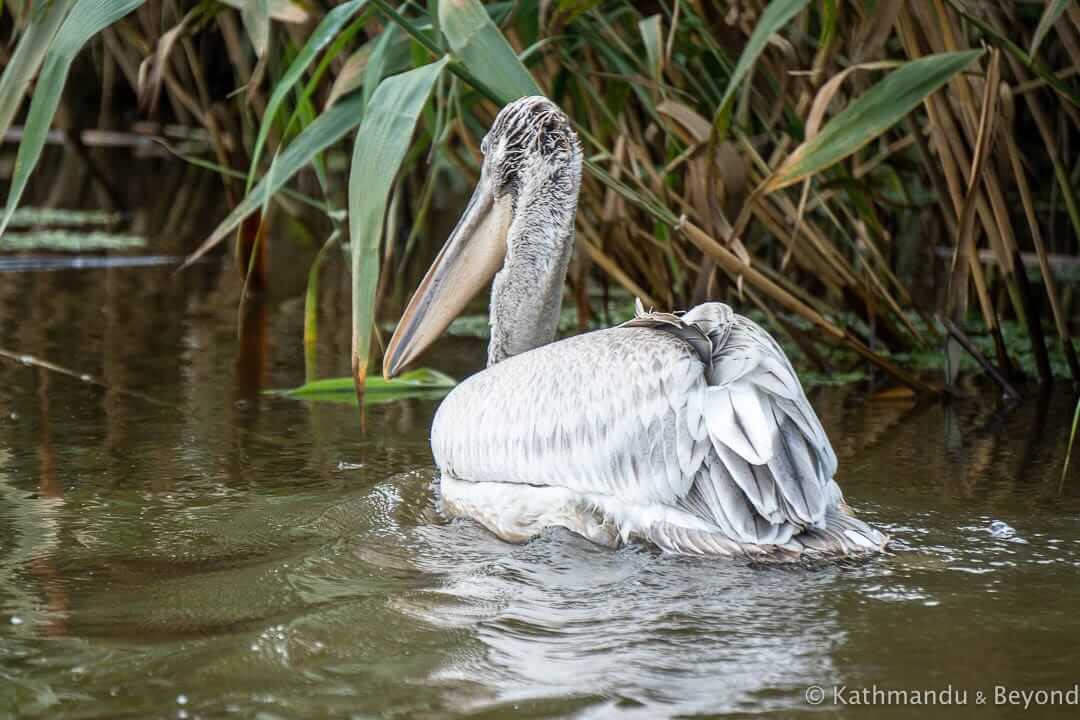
x=256 y=17
x=477 y=42
x=287 y=11
x=379 y=63
x=869 y=115
x=406 y=384
x=1072 y=440
x=778 y=14
x=652 y=35
x=1053 y=11
x=381 y=144
x=27 y=58
x=326 y=31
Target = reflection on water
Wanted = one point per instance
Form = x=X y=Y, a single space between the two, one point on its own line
x=219 y=551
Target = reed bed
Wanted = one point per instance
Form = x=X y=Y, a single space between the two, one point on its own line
x=882 y=179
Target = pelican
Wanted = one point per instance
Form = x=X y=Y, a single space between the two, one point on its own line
x=689 y=431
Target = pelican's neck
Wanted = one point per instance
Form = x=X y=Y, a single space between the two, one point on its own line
x=527 y=292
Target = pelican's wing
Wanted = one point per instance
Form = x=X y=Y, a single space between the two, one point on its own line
x=766 y=439
x=702 y=413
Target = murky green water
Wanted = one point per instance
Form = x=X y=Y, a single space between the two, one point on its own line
x=213 y=552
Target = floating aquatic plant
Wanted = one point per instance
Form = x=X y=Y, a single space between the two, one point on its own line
x=419 y=383
x=61 y=217
x=70 y=241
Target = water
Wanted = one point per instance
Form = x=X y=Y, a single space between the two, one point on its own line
x=197 y=549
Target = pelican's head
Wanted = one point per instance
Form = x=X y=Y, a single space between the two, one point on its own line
x=527 y=194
